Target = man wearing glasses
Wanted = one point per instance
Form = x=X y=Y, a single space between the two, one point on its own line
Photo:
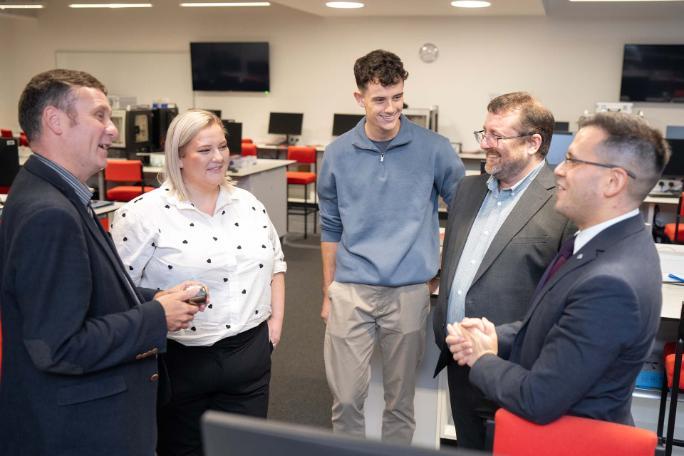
x=596 y=310
x=501 y=234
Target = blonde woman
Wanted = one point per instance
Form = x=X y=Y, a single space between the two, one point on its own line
x=198 y=225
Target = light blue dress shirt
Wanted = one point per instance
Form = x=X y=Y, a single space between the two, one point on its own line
x=494 y=211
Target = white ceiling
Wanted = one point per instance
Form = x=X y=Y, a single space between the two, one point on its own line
x=673 y=10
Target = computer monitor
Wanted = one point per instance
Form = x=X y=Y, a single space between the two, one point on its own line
x=225 y=434
x=342 y=123
x=674 y=132
x=233 y=136
x=558 y=148
x=561 y=126
x=9 y=161
x=675 y=167
x=285 y=123
x=216 y=112
x=161 y=119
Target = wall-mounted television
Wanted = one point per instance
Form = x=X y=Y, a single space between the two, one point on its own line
x=653 y=73
x=240 y=67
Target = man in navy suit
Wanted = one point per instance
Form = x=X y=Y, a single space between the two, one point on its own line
x=79 y=372
x=596 y=309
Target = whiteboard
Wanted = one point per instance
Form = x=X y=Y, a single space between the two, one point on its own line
x=150 y=76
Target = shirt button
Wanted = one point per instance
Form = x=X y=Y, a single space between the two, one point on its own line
x=486 y=233
x=472 y=261
x=498 y=203
x=459 y=292
x=154 y=377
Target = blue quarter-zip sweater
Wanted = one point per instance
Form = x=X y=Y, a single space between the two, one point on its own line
x=382 y=208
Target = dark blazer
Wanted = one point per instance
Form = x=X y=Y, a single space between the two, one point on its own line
x=79 y=365
x=586 y=336
x=517 y=257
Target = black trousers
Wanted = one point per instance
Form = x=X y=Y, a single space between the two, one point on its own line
x=469 y=409
x=232 y=376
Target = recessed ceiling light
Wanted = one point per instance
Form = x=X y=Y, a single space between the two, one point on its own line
x=222 y=4
x=110 y=5
x=21 y=6
x=344 y=5
x=470 y=4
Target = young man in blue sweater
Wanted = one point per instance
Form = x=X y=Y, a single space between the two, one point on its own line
x=378 y=189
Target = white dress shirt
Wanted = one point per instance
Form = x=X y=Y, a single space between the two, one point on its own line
x=584 y=236
x=164 y=241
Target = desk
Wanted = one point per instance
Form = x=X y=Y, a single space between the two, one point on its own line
x=267 y=181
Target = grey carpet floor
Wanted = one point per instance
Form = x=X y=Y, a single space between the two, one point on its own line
x=299 y=391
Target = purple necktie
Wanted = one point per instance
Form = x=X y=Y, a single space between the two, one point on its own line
x=564 y=253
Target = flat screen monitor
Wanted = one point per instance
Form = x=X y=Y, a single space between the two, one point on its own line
x=674 y=132
x=561 y=126
x=225 y=434
x=285 y=123
x=9 y=161
x=653 y=73
x=240 y=67
x=675 y=167
x=233 y=136
x=558 y=148
x=342 y=123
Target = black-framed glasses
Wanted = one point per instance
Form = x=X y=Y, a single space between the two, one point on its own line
x=489 y=137
x=570 y=159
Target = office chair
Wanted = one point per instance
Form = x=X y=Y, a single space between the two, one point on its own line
x=569 y=436
x=246 y=140
x=672 y=355
x=302 y=155
x=675 y=231
x=249 y=149
x=126 y=171
x=6 y=133
x=23 y=139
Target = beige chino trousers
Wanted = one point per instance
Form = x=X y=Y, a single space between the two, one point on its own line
x=361 y=317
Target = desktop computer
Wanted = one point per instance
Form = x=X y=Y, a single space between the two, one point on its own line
x=9 y=162
x=673 y=174
x=161 y=119
x=135 y=132
x=285 y=123
x=233 y=136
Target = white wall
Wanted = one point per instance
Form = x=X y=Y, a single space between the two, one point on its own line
x=569 y=64
x=8 y=112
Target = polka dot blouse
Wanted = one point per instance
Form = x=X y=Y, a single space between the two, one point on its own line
x=236 y=251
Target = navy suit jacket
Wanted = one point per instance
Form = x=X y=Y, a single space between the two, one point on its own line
x=79 y=369
x=585 y=338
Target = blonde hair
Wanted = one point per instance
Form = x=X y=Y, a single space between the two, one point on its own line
x=181 y=131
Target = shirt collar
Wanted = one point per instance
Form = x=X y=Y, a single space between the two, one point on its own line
x=225 y=198
x=82 y=191
x=493 y=182
x=584 y=236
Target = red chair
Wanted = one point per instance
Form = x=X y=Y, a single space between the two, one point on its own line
x=125 y=171
x=675 y=231
x=247 y=141
x=569 y=436
x=672 y=357
x=5 y=133
x=249 y=149
x=302 y=155
x=23 y=139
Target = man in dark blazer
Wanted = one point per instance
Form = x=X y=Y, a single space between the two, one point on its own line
x=596 y=310
x=79 y=372
x=502 y=232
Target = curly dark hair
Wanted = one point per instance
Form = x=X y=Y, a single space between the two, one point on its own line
x=379 y=66
x=51 y=88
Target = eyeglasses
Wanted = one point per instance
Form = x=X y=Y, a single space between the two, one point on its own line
x=481 y=136
x=576 y=161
